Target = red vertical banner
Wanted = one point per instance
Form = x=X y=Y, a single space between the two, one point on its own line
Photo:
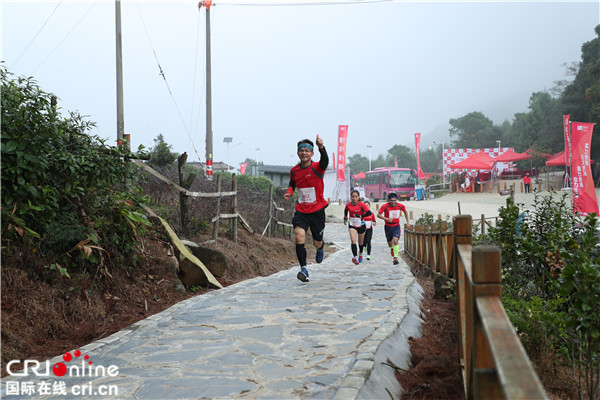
x=417 y=145
x=341 y=160
x=333 y=158
x=582 y=184
x=243 y=168
x=395 y=162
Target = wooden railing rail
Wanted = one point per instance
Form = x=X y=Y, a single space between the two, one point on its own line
x=234 y=216
x=495 y=363
x=274 y=219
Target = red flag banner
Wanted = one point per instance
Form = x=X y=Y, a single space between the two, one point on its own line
x=333 y=158
x=341 y=164
x=395 y=162
x=582 y=183
x=418 y=144
x=243 y=168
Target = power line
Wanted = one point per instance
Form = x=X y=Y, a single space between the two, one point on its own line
x=36 y=35
x=161 y=73
x=64 y=38
x=300 y=3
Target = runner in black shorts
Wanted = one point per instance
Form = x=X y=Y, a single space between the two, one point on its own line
x=357 y=211
x=307 y=178
x=390 y=213
x=370 y=222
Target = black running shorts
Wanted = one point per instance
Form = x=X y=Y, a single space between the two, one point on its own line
x=315 y=221
x=362 y=229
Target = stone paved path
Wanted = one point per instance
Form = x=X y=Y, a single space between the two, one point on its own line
x=270 y=337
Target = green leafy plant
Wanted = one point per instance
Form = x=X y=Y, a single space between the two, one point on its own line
x=62 y=184
x=579 y=283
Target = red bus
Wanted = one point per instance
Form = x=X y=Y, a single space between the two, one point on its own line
x=382 y=181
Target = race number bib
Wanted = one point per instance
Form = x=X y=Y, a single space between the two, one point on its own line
x=395 y=214
x=368 y=224
x=355 y=222
x=307 y=195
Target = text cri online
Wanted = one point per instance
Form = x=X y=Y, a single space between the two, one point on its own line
x=58 y=388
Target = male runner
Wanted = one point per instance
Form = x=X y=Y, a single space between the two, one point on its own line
x=390 y=213
x=307 y=177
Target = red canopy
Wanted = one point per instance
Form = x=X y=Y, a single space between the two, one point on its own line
x=510 y=155
x=486 y=157
x=559 y=159
x=360 y=175
x=475 y=161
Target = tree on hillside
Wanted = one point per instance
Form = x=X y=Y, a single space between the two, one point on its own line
x=541 y=127
x=405 y=156
x=581 y=98
x=357 y=163
x=473 y=130
x=161 y=155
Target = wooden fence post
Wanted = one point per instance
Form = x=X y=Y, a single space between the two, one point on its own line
x=271 y=209
x=234 y=221
x=487 y=281
x=218 y=217
x=463 y=226
x=184 y=208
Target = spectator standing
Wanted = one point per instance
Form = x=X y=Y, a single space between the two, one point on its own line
x=527 y=183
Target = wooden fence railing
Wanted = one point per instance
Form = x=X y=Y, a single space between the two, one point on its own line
x=234 y=216
x=495 y=363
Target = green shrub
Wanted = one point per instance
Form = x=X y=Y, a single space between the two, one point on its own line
x=78 y=193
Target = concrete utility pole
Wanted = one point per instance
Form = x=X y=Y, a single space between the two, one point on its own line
x=209 y=136
x=120 y=112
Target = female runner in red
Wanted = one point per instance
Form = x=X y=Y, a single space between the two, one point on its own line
x=357 y=210
x=370 y=222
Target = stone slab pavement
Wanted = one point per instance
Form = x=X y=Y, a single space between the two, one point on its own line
x=335 y=337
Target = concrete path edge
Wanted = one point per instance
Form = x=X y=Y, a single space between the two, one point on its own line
x=373 y=374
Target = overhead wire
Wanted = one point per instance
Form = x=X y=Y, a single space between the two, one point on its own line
x=162 y=73
x=65 y=37
x=36 y=35
x=300 y=3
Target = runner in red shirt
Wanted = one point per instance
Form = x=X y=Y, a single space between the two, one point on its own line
x=390 y=212
x=357 y=210
x=307 y=178
x=370 y=222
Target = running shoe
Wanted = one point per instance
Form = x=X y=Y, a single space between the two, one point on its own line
x=319 y=256
x=359 y=259
x=368 y=257
x=303 y=274
x=395 y=260
x=355 y=260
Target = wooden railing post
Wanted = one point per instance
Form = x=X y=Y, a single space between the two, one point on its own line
x=271 y=209
x=234 y=221
x=218 y=217
x=487 y=281
x=463 y=225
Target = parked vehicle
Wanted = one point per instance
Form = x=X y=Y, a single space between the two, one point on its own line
x=382 y=181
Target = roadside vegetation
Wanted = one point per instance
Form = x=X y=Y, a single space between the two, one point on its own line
x=551 y=290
